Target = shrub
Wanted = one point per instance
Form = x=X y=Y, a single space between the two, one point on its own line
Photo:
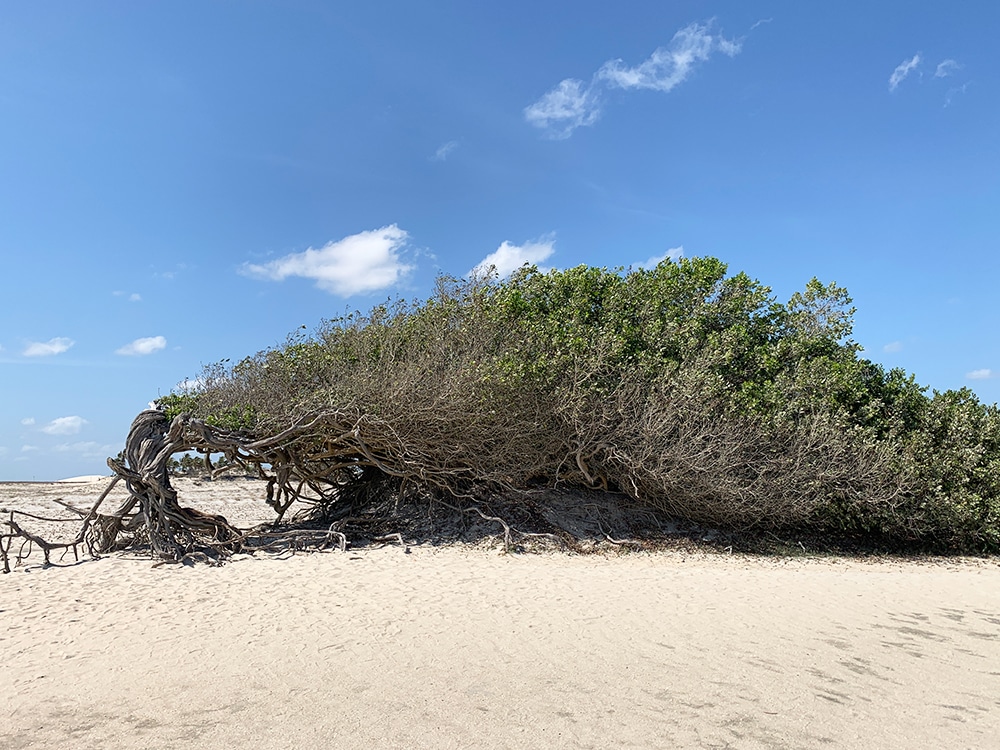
x=690 y=391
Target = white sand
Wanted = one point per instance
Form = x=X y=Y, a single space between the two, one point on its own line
x=456 y=648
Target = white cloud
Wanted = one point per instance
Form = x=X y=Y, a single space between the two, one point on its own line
x=674 y=254
x=983 y=374
x=564 y=109
x=508 y=258
x=893 y=346
x=670 y=66
x=171 y=274
x=761 y=22
x=141 y=347
x=902 y=71
x=28 y=448
x=364 y=262
x=47 y=348
x=64 y=426
x=28 y=421
x=952 y=92
x=573 y=104
x=135 y=297
x=190 y=385
x=946 y=68
x=445 y=150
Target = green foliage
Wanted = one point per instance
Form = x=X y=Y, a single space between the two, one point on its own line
x=239 y=417
x=175 y=404
x=954 y=458
x=685 y=388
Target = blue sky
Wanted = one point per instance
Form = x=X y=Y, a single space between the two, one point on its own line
x=184 y=182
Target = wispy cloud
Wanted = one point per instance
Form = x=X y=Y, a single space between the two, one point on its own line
x=28 y=421
x=902 y=71
x=761 y=22
x=445 y=150
x=87 y=449
x=64 y=426
x=143 y=346
x=983 y=374
x=565 y=108
x=171 y=274
x=364 y=262
x=669 y=66
x=953 y=92
x=892 y=347
x=946 y=68
x=573 y=103
x=48 y=348
x=133 y=297
x=674 y=254
x=508 y=258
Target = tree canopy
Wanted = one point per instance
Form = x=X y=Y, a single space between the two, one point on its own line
x=680 y=387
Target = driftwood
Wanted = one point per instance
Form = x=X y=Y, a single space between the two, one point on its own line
x=340 y=465
x=326 y=460
x=89 y=536
x=334 y=476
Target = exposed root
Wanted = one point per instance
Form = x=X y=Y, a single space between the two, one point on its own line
x=90 y=535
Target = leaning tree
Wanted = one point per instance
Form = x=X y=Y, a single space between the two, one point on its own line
x=678 y=389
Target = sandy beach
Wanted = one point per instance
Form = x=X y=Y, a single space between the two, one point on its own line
x=456 y=647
